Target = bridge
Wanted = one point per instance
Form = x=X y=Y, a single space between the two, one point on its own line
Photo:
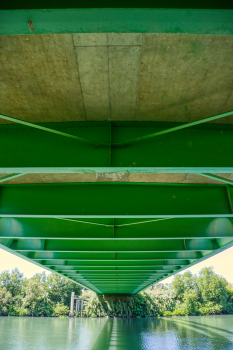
x=116 y=138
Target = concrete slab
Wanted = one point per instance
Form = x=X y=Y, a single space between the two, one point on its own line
x=124 y=76
x=93 y=68
x=124 y=69
x=39 y=78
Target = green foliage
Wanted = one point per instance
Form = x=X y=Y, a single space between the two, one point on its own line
x=191 y=302
x=12 y=281
x=40 y=295
x=60 y=310
x=44 y=295
x=36 y=299
x=5 y=300
x=213 y=288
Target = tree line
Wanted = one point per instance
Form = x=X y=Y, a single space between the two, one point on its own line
x=203 y=294
x=41 y=295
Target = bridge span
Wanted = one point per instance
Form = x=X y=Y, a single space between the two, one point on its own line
x=116 y=138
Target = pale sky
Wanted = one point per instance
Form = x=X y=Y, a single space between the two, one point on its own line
x=222 y=263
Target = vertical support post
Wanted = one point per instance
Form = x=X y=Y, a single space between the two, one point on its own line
x=71 y=314
x=77 y=307
x=82 y=308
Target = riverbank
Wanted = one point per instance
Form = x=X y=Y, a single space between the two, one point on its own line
x=41 y=295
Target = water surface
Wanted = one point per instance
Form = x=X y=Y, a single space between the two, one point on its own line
x=173 y=333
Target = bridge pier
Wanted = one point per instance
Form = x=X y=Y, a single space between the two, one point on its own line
x=79 y=303
x=116 y=297
x=71 y=314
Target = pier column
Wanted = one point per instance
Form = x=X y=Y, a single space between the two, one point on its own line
x=71 y=314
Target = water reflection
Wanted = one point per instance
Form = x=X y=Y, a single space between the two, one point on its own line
x=176 y=333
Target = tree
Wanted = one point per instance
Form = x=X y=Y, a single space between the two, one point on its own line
x=178 y=287
x=5 y=300
x=36 y=299
x=59 y=289
x=60 y=310
x=190 y=302
x=213 y=288
x=12 y=281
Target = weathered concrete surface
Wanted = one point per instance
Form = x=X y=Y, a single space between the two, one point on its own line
x=118 y=177
x=116 y=76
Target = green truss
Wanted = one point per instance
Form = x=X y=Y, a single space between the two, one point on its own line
x=116 y=237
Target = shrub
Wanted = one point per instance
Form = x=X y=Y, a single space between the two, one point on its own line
x=60 y=310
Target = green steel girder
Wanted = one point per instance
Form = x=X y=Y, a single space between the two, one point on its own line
x=118 y=264
x=189 y=228
x=124 y=143
x=113 y=257
x=113 y=246
x=115 y=200
x=204 y=148
x=119 y=20
x=117 y=246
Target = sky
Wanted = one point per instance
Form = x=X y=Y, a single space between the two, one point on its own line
x=222 y=263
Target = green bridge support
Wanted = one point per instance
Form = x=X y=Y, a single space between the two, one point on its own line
x=115 y=238
x=108 y=238
x=204 y=148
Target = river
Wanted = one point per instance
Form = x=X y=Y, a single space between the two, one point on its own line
x=172 y=333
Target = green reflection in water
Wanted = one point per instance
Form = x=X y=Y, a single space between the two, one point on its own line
x=176 y=333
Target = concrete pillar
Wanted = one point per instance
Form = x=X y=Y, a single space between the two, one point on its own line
x=82 y=308
x=77 y=308
x=71 y=314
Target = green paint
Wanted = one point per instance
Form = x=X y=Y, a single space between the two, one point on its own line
x=124 y=20
x=43 y=128
x=182 y=126
x=9 y=177
x=163 y=200
x=28 y=150
x=140 y=252
x=218 y=178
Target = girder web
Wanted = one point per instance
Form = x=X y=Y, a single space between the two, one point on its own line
x=203 y=149
x=112 y=247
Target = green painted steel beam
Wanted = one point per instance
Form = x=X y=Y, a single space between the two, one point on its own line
x=119 y=274
x=43 y=128
x=114 y=264
x=115 y=246
x=177 y=128
x=125 y=143
x=204 y=148
x=109 y=20
x=188 y=228
x=113 y=269
x=113 y=257
x=116 y=200
x=9 y=177
x=117 y=268
x=218 y=178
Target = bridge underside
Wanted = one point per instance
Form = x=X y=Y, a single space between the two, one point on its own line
x=126 y=177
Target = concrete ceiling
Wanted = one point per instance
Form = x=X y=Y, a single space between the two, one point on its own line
x=116 y=76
